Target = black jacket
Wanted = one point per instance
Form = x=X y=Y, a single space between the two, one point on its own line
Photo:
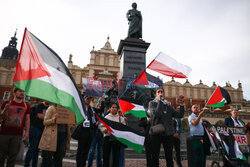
x=229 y=121
x=163 y=113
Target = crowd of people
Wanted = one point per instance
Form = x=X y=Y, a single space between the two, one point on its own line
x=38 y=126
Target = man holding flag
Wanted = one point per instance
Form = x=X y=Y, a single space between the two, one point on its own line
x=197 y=134
x=85 y=133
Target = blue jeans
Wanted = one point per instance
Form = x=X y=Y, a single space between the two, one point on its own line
x=121 y=158
x=96 y=141
x=33 y=151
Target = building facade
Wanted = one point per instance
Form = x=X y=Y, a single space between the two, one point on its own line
x=8 y=61
x=104 y=65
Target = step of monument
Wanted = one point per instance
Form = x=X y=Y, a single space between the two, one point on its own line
x=129 y=153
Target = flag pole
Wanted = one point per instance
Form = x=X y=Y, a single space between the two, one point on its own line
x=119 y=105
x=21 y=49
x=11 y=94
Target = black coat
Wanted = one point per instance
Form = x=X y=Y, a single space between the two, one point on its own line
x=229 y=121
x=163 y=113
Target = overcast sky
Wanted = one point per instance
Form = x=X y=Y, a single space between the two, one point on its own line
x=210 y=36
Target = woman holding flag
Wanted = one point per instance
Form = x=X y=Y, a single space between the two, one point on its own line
x=109 y=141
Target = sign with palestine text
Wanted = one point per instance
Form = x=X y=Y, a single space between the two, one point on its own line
x=238 y=133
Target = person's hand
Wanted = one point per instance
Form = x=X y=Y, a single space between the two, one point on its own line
x=6 y=108
x=245 y=129
x=202 y=141
x=105 y=131
x=201 y=113
x=55 y=116
x=125 y=120
x=97 y=123
x=4 y=111
x=176 y=135
x=26 y=136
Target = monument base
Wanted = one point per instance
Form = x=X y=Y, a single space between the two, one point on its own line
x=133 y=57
x=132 y=63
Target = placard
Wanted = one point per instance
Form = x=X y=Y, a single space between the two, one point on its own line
x=238 y=133
x=65 y=116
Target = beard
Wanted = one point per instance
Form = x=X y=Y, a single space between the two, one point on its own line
x=20 y=97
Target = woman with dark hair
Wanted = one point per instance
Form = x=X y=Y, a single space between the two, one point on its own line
x=109 y=142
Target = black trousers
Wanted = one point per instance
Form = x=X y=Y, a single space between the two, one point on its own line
x=84 y=143
x=177 y=149
x=167 y=142
x=147 y=145
x=109 y=146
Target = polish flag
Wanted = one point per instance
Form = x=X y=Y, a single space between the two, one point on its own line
x=168 y=66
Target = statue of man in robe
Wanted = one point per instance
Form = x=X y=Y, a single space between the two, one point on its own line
x=135 y=22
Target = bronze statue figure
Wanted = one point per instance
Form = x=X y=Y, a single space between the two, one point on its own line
x=135 y=22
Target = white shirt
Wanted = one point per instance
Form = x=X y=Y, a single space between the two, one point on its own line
x=195 y=130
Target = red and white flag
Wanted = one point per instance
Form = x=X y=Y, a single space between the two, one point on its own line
x=168 y=66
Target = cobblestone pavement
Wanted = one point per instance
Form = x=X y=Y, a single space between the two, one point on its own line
x=128 y=163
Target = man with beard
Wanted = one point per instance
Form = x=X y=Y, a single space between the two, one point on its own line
x=16 y=116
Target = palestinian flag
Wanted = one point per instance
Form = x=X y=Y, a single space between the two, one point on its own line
x=141 y=79
x=219 y=98
x=168 y=66
x=131 y=108
x=229 y=144
x=124 y=134
x=232 y=148
x=211 y=137
x=145 y=80
x=41 y=73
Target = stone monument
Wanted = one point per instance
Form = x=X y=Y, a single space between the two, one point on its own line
x=135 y=22
x=132 y=51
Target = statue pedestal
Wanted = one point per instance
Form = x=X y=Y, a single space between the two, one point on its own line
x=133 y=57
x=132 y=53
x=132 y=63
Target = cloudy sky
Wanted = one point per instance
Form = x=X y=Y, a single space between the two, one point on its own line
x=210 y=36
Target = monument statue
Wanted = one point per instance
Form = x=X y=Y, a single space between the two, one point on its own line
x=135 y=22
